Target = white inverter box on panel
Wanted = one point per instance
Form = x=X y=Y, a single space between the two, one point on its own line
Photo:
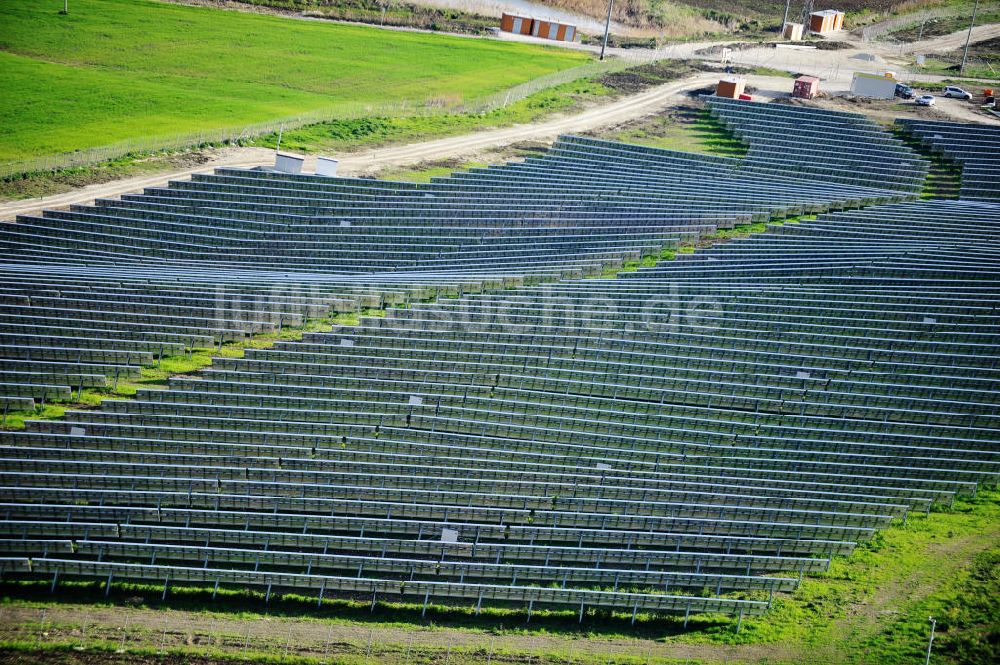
x=326 y=166
x=288 y=163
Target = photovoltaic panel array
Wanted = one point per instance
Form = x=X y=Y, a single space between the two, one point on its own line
x=528 y=424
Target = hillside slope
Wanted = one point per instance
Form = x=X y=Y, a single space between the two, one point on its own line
x=114 y=70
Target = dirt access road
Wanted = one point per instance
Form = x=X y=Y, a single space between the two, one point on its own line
x=387 y=644
x=627 y=108
x=835 y=67
x=955 y=40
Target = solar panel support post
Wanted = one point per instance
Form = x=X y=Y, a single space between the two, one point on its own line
x=930 y=642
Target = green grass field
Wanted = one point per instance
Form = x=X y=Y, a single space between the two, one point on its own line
x=114 y=70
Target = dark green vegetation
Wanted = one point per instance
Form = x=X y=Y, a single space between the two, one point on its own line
x=873 y=606
x=116 y=70
x=971 y=617
x=383 y=130
x=944 y=178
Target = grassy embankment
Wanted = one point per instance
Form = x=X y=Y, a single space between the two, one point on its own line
x=346 y=135
x=957 y=19
x=983 y=63
x=118 y=70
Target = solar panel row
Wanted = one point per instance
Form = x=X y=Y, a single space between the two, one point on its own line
x=689 y=436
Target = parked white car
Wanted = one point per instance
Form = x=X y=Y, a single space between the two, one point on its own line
x=925 y=100
x=957 y=93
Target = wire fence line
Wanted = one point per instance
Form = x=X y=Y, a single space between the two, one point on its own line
x=884 y=28
x=346 y=111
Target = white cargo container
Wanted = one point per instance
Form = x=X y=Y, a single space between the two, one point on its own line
x=873 y=85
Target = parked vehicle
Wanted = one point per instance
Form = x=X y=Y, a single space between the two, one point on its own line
x=957 y=93
x=904 y=91
x=925 y=100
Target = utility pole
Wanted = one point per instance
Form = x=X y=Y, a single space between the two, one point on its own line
x=927 y=661
x=968 y=38
x=788 y=5
x=65 y=7
x=807 y=8
x=607 y=27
